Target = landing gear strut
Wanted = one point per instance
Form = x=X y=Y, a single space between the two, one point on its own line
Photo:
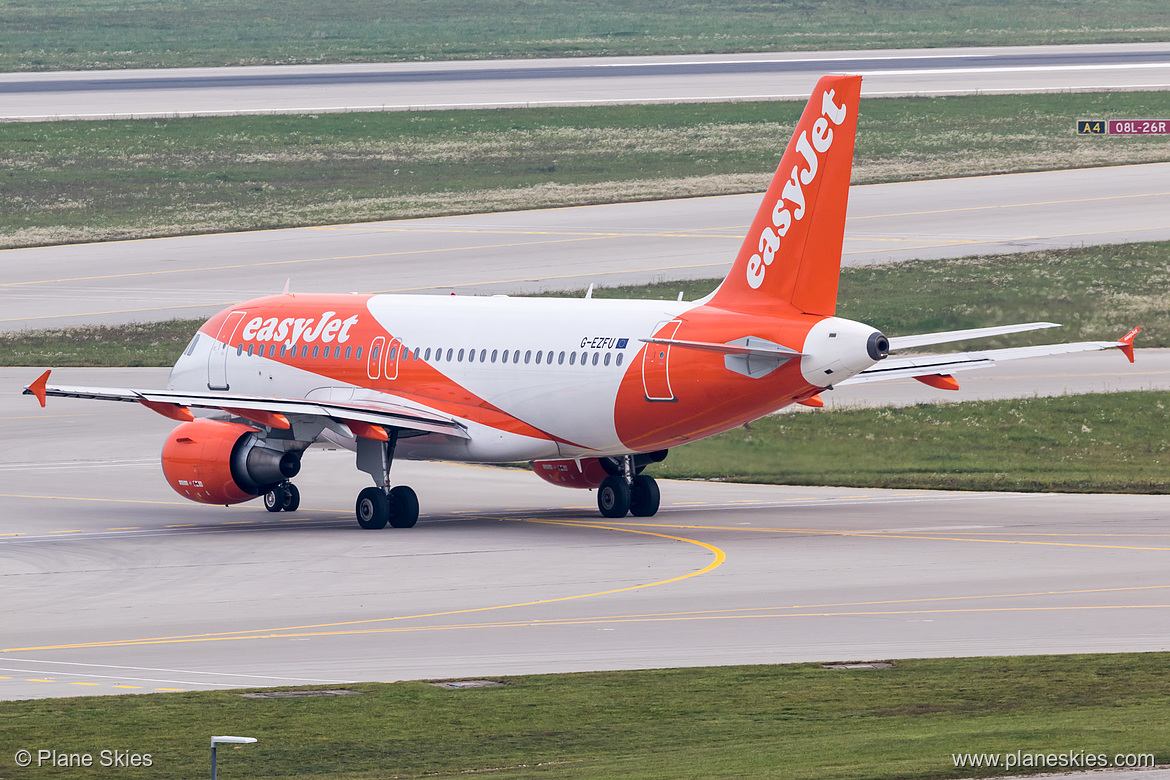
x=383 y=505
x=283 y=498
x=627 y=491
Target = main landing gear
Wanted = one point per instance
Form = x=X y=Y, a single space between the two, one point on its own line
x=383 y=505
x=283 y=498
x=627 y=492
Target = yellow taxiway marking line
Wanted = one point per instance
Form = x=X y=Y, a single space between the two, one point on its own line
x=237 y=522
x=171 y=689
x=127 y=528
x=11 y=534
x=879 y=535
x=75 y=531
x=107 y=500
x=82 y=683
x=126 y=686
x=181 y=525
x=313 y=630
x=34 y=679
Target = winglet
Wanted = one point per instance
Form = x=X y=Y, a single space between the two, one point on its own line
x=37 y=388
x=1125 y=345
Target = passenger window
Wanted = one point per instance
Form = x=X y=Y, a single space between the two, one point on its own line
x=375 y=351
x=505 y=358
x=572 y=358
x=527 y=356
x=515 y=356
x=495 y=354
x=450 y=352
x=336 y=353
x=584 y=357
x=304 y=351
x=358 y=355
x=619 y=357
x=416 y=351
x=250 y=346
x=427 y=354
x=561 y=358
x=348 y=350
x=283 y=350
x=607 y=357
x=393 y=353
x=596 y=355
x=471 y=356
x=240 y=349
x=460 y=355
x=538 y=353
x=483 y=356
x=315 y=350
x=271 y=350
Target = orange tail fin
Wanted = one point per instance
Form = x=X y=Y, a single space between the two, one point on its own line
x=792 y=253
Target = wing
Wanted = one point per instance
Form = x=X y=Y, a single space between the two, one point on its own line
x=363 y=419
x=931 y=368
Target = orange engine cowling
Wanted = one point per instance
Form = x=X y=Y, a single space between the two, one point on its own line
x=566 y=473
x=216 y=462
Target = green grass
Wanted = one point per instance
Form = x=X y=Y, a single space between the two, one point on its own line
x=65 y=182
x=86 y=34
x=1096 y=443
x=794 y=721
x=1097 y=293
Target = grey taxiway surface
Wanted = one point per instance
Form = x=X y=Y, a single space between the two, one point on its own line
x=114 y=585
x=568 y=248
x=581 y=81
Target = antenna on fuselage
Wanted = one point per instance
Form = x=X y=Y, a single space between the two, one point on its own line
x=679 y=299
x=589 y=292
x=286 y=284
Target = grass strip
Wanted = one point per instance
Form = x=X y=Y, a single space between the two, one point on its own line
x=89 y=34
x=65 y=182
x=794 y=721
x=1093 y=443
x=1096 y=292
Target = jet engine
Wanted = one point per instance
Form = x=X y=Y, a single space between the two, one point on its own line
x=216 y=462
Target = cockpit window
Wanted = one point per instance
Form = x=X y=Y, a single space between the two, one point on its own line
x=191 y=347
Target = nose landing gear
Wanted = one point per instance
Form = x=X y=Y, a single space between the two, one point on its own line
x=283 y=498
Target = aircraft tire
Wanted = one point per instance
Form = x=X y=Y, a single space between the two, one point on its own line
x=373 y=508
x=644 y=496
x=403 y=507
x=613 y=497
x=274 y=499
x=292 y=498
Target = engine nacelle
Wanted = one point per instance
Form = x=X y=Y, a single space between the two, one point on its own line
x=566 y=473
x=216 y=462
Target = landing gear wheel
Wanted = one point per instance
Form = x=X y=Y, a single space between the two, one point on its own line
x=292 y=498
x=274 y=499
x=373 y=508
x=403 y=507
x=613 y=497
x=644 y=496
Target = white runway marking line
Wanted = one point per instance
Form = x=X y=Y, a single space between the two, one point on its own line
x=236 y=678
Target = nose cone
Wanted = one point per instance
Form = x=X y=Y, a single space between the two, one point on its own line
x=836 y=349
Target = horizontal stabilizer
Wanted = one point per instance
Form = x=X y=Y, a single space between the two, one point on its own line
x=749 y=346
x=950 y=336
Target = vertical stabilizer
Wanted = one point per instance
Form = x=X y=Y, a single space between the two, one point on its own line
x=792 y=254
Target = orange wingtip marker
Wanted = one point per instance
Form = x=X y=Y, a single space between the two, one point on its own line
x=174 y=411
x=1125 y=344
x=367 y=431
x=37 y=388
x=940 y=381
x=271 y=419
x=815 y=401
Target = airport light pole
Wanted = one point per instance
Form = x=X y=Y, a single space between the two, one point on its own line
x=231 y=740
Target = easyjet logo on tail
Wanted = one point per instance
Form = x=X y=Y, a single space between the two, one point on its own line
x=791 y=204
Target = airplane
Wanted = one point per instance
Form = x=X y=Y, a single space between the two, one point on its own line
x=588 y=391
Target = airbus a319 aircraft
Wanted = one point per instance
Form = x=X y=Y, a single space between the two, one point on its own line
x=589 y=391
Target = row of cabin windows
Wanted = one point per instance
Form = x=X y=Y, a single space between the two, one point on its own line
x=514 y=356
